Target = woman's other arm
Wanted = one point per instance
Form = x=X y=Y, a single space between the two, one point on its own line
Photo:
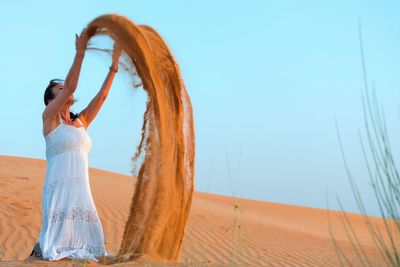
x=90 y=112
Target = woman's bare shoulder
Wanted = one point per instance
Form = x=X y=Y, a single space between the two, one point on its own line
x=48 y=122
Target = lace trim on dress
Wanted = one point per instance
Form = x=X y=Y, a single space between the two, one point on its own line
x=96 y=250
x=73 y=213
x=69 y=181
x=58 y=148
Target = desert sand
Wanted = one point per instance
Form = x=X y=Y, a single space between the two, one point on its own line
x=221 y=230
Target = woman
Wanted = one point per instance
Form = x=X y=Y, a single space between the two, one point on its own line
x=70 y=224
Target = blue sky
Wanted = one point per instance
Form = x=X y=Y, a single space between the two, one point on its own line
x=266 y=78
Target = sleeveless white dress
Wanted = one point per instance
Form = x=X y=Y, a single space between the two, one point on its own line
x=70 y=223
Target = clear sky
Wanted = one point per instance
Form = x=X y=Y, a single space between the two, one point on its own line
x=266 y=78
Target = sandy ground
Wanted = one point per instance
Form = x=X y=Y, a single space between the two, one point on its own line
x=221 y=230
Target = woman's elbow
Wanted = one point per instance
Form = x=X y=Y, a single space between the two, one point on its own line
x=69 y=88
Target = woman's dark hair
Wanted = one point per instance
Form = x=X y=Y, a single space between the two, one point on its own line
x=48 y=94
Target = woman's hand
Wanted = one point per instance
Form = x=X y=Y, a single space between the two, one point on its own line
x=115 y=56
x=81 y=42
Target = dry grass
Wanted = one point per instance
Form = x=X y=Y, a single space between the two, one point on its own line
x=384 y=179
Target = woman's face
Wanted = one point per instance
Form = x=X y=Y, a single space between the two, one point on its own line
x=57 y=90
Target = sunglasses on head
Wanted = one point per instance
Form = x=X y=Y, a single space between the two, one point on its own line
x=56 y=81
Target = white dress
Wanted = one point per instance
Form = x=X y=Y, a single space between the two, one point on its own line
x=70 y=223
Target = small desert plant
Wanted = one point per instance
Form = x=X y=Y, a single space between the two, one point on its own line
x=237 y=232
x=384 y=179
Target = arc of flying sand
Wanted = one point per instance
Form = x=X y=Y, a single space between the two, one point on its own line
x=164 y=157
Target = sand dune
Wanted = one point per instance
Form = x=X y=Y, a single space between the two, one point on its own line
x=221 y=230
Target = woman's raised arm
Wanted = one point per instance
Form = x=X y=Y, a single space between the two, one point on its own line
x=71 y=81
x=90 y=112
